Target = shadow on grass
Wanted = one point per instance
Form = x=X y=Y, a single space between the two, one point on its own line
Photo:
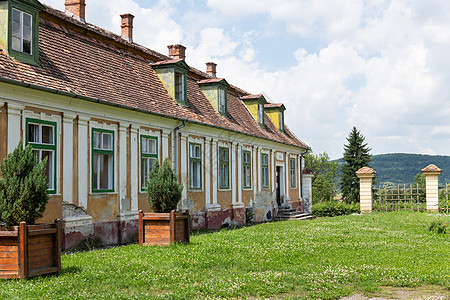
x=71 y=270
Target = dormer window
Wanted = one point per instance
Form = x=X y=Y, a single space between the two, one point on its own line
x=173 y=75
x=222 y=102
x=22 y=31
x=275 y=111
x=19 y=21
x=261 y=114
x=179 y=87
x=255 y=105
x=281 y=120
x=215 y=90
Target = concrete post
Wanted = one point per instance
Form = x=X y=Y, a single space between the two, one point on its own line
x=432 y=183
x=365 y=175
x=307 y=177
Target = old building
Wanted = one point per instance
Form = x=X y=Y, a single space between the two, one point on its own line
x=102 y=109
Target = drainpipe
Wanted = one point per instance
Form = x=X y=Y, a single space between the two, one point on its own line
x=175 y=136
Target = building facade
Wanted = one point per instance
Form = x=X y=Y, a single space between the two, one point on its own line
x=103 y=109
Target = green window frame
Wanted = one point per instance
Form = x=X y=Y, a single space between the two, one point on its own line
x=224 y=168
x=265 y=170
x=103 y=149
x=149 y=154
x=41 y=135
x=292 y=170
x=247 y=169
x=195 y=166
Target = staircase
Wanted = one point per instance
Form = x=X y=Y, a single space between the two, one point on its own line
x=287 y=213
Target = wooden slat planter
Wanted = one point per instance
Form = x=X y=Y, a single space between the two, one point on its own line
x=30 y=250
x=162 y=229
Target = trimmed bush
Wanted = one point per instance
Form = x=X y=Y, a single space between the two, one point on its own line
x=23 y=188
x=163 y=189
x=334 y=208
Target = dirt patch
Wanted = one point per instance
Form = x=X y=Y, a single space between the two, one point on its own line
x=429 y=292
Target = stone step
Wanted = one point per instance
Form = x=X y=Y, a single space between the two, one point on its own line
x=293 y=216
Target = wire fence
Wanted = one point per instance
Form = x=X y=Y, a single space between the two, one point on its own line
x=400 y=197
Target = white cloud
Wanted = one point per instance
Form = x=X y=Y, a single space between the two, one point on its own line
x=381 y=65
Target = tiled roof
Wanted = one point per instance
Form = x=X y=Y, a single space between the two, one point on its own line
x=431 y=168
x=273 y=105
x=365 y=170
x=211 y=80
x=103 y=66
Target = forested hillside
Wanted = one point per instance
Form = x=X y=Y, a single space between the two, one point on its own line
x=402 y=167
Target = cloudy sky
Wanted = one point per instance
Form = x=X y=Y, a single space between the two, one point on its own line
x=380 y=65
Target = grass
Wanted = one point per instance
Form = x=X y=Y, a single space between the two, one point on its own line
x=325 y=258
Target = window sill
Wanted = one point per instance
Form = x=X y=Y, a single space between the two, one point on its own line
x=194 y=190
x=102 y=192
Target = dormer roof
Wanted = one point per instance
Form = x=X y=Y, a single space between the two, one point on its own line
x=214 y=81
x=278 y=106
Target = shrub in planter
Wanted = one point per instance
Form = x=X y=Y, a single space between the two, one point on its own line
x=26 y=250
x=163 y=226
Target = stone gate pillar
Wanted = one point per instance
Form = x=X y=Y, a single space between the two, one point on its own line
x=432 y=183
x=307 y=176
x=365 y=175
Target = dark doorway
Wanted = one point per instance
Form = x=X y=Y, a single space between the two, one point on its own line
x=278 y=185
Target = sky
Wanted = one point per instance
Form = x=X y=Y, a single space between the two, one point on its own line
x=380 y=65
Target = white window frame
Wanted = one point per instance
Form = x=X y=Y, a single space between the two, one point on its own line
x=265 y=167
x=225 y=164
x=247 y=164
x=21 y=30
x=222 y=101
x=100 y=151
x=179 y=87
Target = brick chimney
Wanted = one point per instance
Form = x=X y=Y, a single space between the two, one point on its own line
x=127 y=27
x=211 y=69
x=76 y=7
x=177 y=51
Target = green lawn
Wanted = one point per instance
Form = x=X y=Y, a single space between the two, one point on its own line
x=323 y=258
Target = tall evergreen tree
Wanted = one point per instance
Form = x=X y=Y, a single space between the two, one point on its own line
x=356 y=156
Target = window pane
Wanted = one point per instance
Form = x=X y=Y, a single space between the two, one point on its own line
x=47 y=134
x=16 y=30
x=26 y=20
x=147 y=165
x=107 y=141
x=33 y=133
x=95 y=172
x=105 y=171
x=15 y=16
x=49 y=169
x=97 y=136
x=144 y=145
x=37 y=155
x=26 y=47
x=15 y=43
x=195 y=174
x=151 y=146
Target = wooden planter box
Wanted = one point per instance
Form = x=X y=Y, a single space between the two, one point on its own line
x=162 y=229
x=30 y=250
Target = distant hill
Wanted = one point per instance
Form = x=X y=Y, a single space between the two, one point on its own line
x=400 y=168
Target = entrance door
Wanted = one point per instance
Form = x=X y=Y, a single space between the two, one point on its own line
x=278 y=185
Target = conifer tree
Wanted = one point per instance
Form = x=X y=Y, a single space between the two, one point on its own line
x=356 y=156
x=23 y=187
x=163 y=189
